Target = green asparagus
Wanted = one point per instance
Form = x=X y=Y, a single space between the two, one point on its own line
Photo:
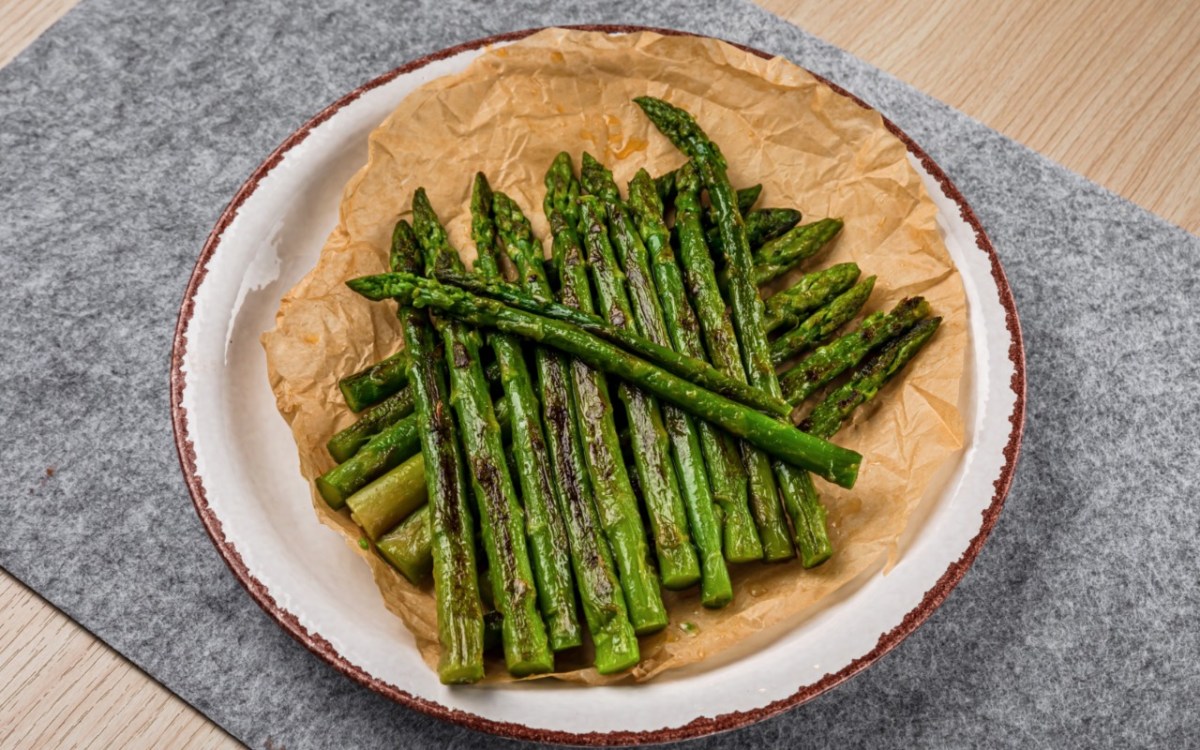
x=866 y=381
x=614 y=497
x=544 y=527
x=678 y=565
x=809 y=529
x=839 y=355
x=391 y=498
x=781 y=254
x=745 y=200
x=665 y=185
x=409 y=546
x=456 y=585
x=835 y=464
x=823 y=323
x=692 y=369
x=374 y=420
x=385 y=451
x=679 y=320
x=762 y=225
x=787 y=308
x=381 y=504
x=726 y=470
x=343 y=445
x=526 y=647
x=613 y=637
x=373 y=384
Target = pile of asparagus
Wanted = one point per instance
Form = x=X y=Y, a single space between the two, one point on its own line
x=525 y=509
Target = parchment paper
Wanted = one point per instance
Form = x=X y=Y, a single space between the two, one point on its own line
x=508 y=114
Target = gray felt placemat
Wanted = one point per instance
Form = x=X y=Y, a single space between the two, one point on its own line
x=126 y=128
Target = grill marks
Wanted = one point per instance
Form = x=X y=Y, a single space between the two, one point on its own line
x=583 y=527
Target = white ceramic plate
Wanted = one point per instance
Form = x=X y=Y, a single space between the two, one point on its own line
x=241 y=466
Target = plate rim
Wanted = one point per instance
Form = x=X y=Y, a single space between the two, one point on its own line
x=700 y=726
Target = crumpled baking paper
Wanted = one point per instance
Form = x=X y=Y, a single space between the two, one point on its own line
x=508 y=114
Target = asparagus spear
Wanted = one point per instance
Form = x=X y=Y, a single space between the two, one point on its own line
x=727 y=472
x=614 y=497
x=544 y=526
x=747 y=197
x=374 y=420
x=762 y=225
x=831 y=360
x=677 y=562
x=808 y=518
x=391 y=498
x=456 y=586
x=373 y=384
x=866 y=381
x=836 y=464
x=343 y=445
x=745 y=200
x=409 y=546
x=783 y=309
x=526 y=648
x=385 y=451
x=688 y=368
x=787 y=308
x=384 y=502
x=761 y=492
x=616 y=646
x=778 y=256
x=823 y=323
x=716 y=590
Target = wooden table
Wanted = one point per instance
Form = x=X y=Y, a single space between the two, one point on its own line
x=1105 y=88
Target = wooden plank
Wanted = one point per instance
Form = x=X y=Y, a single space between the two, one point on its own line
x=60 y=687
x=1106 y=88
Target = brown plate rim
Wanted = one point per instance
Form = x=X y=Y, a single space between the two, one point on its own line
x=700 y=726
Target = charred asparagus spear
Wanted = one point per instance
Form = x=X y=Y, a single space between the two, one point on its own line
x=823 y=323
x=839 y=355
x=866 y=381
x=456 y=586
x=677 y=562
x=381 y=453
x=787 y=308
x=784 y=310
x=373 y=384
x=808 y=517
x=502 y=520
x=715 y=321
x=679 y=320
x=838 y=465
x=374 y=420
x=614 y=497
x=726 y=469
x=692 y=369
x=599 y=588
x=544 y=527
x=781 y=254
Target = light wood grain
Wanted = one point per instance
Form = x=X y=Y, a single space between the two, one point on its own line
x=62 y=688
x=21 y=21
x=1111 y=89
x=1107 y=88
